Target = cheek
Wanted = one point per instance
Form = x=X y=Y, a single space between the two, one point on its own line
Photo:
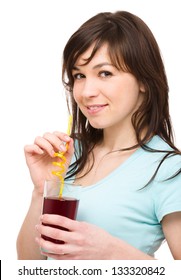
x=76 y=96
x=129 y=97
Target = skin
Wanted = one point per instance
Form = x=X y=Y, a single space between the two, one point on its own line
x=117 y=94
x=108 y=98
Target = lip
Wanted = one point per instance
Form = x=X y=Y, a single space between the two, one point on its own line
x=96 y=108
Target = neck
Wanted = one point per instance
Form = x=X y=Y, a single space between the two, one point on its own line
x=118 y=139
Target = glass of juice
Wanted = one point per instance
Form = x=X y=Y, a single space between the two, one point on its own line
x=53 y=203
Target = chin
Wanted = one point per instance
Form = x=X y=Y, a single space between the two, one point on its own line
x=97 y=125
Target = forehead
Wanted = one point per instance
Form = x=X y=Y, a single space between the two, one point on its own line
x=100 y=55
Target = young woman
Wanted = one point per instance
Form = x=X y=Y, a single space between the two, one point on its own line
x=121 y=156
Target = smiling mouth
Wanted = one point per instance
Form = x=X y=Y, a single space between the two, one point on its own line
x=95 y=108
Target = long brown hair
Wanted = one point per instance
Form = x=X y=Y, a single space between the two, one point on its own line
x=132 y=48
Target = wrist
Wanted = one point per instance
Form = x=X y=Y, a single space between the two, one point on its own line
x=36 y=194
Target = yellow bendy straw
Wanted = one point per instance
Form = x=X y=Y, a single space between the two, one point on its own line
x=69 y=125
x=63 y=160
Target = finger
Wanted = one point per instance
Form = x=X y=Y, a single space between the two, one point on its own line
x=51 y=247
x=63 y=136
x=70 y=147
x=55 y=141
x=59 y=256
x=52 y=232
x=58 y=251
x=61 y=221
x=44 y=145
x=33 y=149
x=67 y=141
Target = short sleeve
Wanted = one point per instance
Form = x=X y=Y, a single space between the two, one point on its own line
x=167 y=192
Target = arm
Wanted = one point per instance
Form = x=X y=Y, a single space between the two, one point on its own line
x=39 y=157
x=171 y=224
x=84 y=241
x=27 y=248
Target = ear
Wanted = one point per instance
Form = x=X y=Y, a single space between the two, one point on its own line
x=142 y=87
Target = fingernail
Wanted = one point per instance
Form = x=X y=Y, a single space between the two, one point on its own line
x=62 y=148
x=41 y=217
x=53 y=153
x=67 y=138
x=37 y=239
x=41 y=151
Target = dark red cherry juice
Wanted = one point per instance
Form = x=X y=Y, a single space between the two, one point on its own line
x=64 y=206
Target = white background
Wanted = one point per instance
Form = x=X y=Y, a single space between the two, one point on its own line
x=33 y=34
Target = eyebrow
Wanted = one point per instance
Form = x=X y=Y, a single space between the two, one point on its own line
x=96 y=66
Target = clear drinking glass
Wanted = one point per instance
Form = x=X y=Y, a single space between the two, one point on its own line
x=53 y=203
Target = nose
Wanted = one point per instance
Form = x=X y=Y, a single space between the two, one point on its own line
x=90 y=88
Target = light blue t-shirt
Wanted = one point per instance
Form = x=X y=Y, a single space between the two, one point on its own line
x=120 y=205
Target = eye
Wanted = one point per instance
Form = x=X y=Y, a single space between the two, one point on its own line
x=78 y=76
x=105 y=74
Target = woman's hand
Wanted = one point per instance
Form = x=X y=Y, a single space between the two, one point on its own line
x=40 y=155
x=82 y=241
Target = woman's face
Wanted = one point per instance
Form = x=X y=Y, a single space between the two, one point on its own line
x=107 y=97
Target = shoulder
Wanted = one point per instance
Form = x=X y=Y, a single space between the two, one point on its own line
x=157 y=143
x=164 y=155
